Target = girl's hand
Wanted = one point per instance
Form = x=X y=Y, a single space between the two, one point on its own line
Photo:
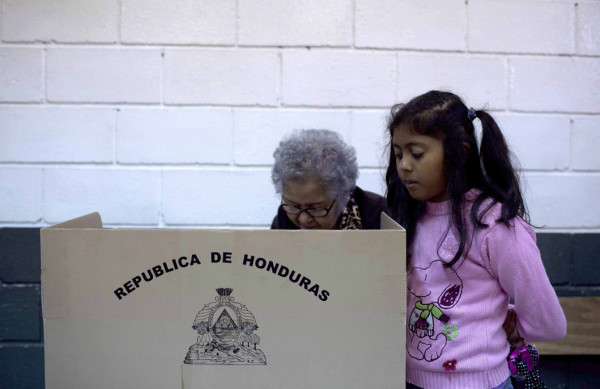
x=510 y=327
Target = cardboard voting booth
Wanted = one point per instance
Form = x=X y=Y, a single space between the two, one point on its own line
x=182 y=308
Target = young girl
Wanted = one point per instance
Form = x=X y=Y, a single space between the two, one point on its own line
x=469 y=248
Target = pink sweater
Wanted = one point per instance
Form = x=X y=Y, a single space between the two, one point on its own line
x=454 y=315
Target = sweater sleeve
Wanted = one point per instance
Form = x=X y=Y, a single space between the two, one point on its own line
x=513 y=256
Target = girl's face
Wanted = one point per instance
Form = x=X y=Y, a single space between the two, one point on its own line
x=420 y=164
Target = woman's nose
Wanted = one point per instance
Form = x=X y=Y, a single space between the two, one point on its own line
x=304 y=218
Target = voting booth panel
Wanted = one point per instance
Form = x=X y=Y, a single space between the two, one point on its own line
x=161 y=308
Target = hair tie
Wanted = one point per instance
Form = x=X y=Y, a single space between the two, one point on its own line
x=471 y=114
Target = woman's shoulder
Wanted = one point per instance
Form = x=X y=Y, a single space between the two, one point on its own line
x=282 y=222
x=361 y=193
x=370 y=206
x=365 y=198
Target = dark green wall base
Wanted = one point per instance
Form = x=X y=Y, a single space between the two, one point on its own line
x=21 y=365
x=570 y=371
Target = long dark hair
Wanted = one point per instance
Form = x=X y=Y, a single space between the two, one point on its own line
x=443 y=115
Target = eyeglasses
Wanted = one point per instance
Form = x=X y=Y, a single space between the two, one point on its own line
x=314 y=212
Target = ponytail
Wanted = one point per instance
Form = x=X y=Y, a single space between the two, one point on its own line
x=500 y=176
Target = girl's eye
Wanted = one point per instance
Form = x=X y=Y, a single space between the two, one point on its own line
x=398 y=156
x=417 y=155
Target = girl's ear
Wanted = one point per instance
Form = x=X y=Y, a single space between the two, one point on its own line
x=466 y=150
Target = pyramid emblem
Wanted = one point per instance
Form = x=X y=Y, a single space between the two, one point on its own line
x=225 y=321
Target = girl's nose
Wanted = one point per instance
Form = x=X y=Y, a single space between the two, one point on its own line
x=405 y=164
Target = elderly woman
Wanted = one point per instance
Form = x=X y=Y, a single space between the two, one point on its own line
x=315 y=172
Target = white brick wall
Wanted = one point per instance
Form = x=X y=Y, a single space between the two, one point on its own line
x=563 y=200
x=20 y=75
x=68 y=21
x=258 y=131
x=218 y=197
x=479 y=80
x=210 y=22
x=588 y=28
x=555 y=84
x=174 y=136
x=338 y=78
x=159 y=115
x=122 y=196
x=369 y=137
x=411 y=24
x=546 y=27
x=585 y=148
x=115 y=75
x=540 y=142
x=20 y=195
x=295 y=23
x=224 y=77
x=56 y=134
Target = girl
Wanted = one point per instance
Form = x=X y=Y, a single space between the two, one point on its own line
x=469 y=247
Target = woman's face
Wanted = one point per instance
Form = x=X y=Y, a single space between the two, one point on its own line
x=309 y=194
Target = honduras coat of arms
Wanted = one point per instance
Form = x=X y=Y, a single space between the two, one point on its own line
x=225 y=334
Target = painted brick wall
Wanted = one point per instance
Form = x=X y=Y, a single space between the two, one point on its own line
x=163 y=114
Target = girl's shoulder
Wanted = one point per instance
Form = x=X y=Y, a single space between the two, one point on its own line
x=489 y=212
